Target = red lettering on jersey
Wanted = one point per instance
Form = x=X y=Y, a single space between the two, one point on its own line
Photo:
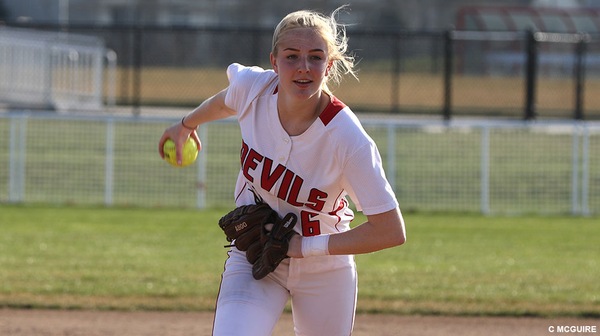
x=295 y=191
x=268 y=179
x=251 y=162
x=291 y=184
x=315 y=199
x=243 y=153
x=285 y=184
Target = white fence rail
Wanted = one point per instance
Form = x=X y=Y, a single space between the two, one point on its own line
x=61 y=71
x=478 y=166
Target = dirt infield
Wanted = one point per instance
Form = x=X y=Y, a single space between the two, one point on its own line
x=93 y=323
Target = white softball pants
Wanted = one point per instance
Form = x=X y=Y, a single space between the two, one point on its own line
x=322 y=290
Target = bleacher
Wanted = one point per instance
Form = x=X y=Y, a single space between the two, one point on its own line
x=54 y=70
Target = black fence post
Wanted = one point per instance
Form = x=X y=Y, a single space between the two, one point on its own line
x=137 y=69
x=531 y=76
x=448 y=62
x=395 y=86
x=580 y=51
x=256 y=51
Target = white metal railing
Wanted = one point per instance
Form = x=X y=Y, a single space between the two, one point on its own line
x=482 y=166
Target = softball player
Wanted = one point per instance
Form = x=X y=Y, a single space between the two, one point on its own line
x=303 y=151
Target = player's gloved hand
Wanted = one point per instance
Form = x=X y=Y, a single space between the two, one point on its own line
x=275 y=244
x=244 y=227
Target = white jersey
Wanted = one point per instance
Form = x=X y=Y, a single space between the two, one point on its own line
x=310 y=174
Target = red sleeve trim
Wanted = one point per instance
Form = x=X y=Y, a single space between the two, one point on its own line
x=332 y=109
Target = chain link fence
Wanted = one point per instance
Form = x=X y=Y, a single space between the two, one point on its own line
x=479 y=166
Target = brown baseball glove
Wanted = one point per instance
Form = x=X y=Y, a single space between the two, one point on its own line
x=275 y=244
x=244 y=226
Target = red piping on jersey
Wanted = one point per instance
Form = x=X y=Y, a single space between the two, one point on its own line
x=332 y=109
x=241 y=191
x=342 y=203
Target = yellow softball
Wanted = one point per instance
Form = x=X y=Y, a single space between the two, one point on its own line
x=190 y=152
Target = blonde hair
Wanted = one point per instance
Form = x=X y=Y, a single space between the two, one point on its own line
x=332 y=32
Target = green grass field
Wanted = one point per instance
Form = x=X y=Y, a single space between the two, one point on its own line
x=168 y=259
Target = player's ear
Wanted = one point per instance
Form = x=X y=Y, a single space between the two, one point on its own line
x=273 y=62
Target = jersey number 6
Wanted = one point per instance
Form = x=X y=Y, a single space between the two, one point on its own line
x=310 y=227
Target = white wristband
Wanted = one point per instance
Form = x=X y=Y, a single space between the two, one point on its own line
x=315 y=246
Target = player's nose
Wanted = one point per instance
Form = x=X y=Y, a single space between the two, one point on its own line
x=303 y=65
